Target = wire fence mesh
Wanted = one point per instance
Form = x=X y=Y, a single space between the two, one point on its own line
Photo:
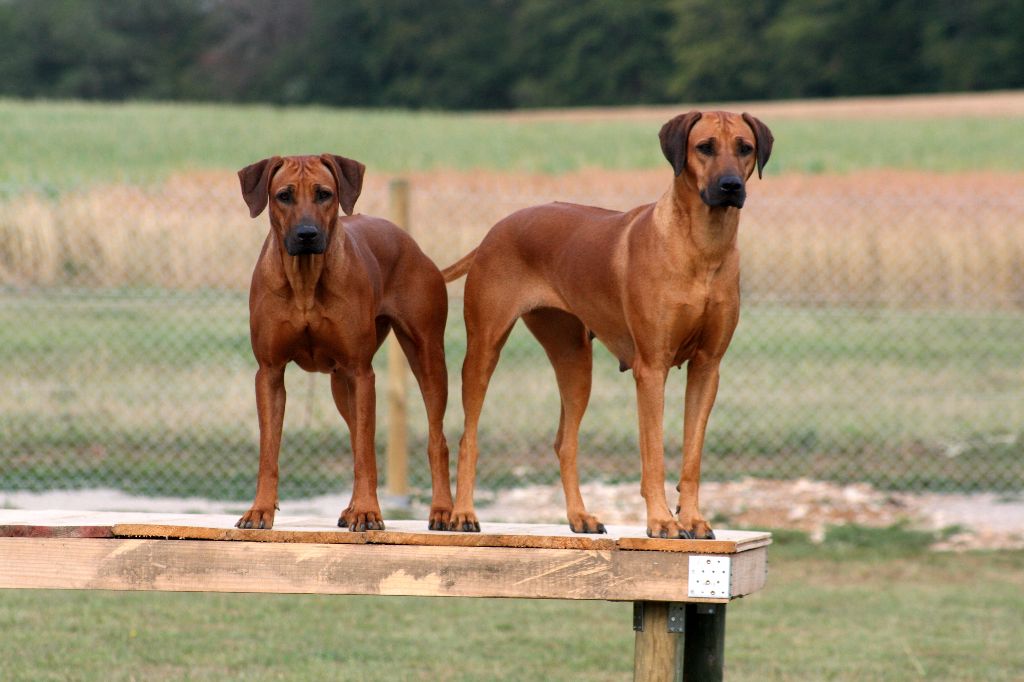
x=881 y=340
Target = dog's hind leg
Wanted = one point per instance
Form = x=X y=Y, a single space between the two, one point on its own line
x=487 y=329
x=567 y=344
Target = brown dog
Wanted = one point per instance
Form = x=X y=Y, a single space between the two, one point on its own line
x=325 y=292
x=658 y=285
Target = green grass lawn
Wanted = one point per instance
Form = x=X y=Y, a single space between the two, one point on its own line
x=55 y=145
x=865 y=605
x=153 y=393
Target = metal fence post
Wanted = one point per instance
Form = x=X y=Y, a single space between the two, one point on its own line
x=397 y=479
x=704 y=645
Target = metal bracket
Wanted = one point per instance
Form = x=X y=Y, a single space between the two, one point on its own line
x=709 y=576
x=677 y=617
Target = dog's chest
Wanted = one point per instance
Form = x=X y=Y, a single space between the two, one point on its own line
x=316 y=342
x=702 y=320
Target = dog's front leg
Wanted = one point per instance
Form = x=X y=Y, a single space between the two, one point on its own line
x=363 y=513
x=650 y=400
x=701 y=389
x=270 y=401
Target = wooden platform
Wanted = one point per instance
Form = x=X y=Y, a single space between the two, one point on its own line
x=676 y=585
x=133 y=551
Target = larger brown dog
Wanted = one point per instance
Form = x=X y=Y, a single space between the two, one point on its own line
x=325 y=292
x=658 y=285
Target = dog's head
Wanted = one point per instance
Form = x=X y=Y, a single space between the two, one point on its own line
x=304 y=193
x=718 y=151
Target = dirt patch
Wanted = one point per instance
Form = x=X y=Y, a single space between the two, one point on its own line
x=982 y=521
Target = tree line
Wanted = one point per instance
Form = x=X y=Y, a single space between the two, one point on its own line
x=499 y=54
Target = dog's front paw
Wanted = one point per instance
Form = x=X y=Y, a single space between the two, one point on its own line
x=695 y=526
x=257 y=518
x=585 y=523
x=358 y=520
x=464 y=521
x=698 y=530
x=439 y=518
x=667 y=528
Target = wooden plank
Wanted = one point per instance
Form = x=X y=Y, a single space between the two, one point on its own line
x=491 y=535
x=385 y=537
x=182 y=565
x=725 y=542
x=657 y=575
x=318 y=530
x=60 y=531
x=749 y=572
x=325 y=531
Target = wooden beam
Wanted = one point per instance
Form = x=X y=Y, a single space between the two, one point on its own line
x=188 y=565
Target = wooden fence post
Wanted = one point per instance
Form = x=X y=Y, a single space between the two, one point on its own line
x=397 y=479
x=657 y=649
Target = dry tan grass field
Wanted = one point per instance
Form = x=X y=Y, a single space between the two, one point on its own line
x=887 y=237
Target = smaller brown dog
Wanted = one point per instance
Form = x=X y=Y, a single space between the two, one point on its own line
x=325 y=292
x=659 y=286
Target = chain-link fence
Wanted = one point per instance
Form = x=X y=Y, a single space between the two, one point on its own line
x=881 y=340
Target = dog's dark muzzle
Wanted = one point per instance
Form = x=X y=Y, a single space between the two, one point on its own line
x=305 y=239
x=729 y=190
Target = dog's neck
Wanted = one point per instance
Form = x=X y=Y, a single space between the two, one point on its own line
x=682 y=214
x=304 y=273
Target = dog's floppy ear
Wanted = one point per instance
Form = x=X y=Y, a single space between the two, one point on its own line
x=254 y=180
x=763 y=139
x=674 y=135
x=348 y=173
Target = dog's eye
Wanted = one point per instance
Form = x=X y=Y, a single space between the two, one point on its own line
x=284 y=196
x=745 y=149
x=706 y=148
x=323 y=195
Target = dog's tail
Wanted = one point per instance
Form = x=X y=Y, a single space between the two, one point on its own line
x=459 y=267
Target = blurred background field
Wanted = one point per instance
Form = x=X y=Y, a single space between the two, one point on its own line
x=883 y=289
x=146 y=142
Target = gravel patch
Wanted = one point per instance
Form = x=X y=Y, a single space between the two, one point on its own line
x=978 y=521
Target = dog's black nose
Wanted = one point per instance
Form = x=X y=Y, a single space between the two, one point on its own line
x=730 y=184
x=307 y=233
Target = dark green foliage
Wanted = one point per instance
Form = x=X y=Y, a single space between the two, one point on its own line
x=488 y=54
x=599 y=52
x=100 y=50
x=771 y=49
